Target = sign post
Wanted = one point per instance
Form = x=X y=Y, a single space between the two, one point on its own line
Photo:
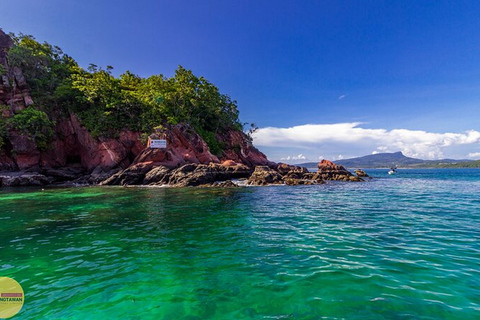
x=157 y=144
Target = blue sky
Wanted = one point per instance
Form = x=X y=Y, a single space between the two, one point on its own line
x=367 y=76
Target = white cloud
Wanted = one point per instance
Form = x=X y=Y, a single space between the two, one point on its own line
x=474 y=155
x=342 y=97
x=413 y=143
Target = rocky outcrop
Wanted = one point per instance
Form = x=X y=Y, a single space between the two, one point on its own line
x=327 y=170
x=184 y=146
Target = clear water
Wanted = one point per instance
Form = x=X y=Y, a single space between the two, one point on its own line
x=396 y=247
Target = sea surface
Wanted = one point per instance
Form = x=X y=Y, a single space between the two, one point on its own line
x=394 y=247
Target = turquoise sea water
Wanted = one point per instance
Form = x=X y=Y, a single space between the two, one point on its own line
x=395 y=247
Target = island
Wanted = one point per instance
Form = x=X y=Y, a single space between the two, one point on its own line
x=62 y=124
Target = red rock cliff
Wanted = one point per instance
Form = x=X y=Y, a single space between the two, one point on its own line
x=73 y=145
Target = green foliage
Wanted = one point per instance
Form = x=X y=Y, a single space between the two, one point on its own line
x=35 y=124
x=463 y=164
x=3 y=70
x=216 y=147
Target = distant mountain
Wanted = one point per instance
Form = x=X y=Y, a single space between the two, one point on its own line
x=386 y=160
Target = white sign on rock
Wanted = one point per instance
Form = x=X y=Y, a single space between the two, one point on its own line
x=158 y=144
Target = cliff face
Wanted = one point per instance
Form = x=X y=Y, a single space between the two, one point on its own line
x=13 y=86
x=73 y=146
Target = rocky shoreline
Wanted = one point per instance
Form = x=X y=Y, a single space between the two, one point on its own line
x=226 y=174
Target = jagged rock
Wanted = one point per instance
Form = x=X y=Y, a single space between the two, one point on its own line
x=263 y=175
x=156 y=175
x=361 y=173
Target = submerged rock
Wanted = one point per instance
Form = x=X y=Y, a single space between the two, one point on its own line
x=21 y=179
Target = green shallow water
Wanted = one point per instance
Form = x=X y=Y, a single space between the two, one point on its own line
x=403 y=247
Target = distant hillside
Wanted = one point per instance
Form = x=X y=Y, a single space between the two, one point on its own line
x=386 y=160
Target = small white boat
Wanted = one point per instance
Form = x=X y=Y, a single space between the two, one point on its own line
x=393 y=170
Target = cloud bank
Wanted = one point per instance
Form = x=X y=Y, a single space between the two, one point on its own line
x=298 y=157
x=321 y=137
